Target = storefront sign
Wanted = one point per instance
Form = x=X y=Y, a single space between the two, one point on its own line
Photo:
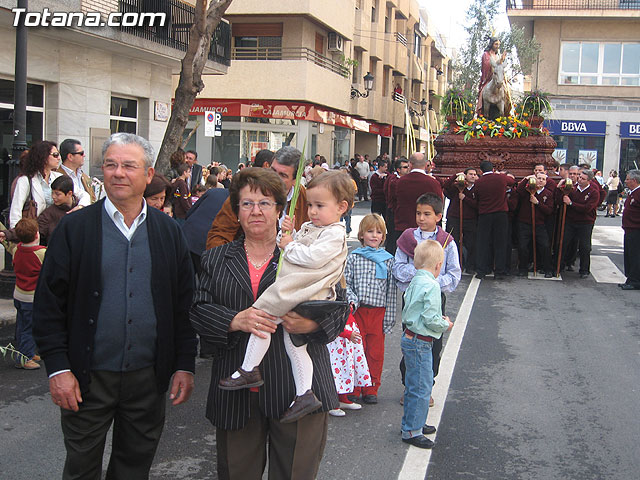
x=576 y=127
x=286 y=110
x=630 y=129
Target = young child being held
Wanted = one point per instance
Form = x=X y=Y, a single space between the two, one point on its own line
x=372 y=292
x=63 y=201
x=422 y=315
x=312 y=266
x=27 y=262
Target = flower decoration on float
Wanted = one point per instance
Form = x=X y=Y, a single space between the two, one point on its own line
x=508 y=127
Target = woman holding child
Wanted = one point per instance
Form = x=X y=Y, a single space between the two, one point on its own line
x=233 y=277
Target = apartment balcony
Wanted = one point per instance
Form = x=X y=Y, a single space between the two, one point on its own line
x=526 y=9
x=402 y=54
x=310 y=77
x=175 y=33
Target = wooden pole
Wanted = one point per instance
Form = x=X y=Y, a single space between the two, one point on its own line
x=562 y=220
x=533 y=228
x=461 y=235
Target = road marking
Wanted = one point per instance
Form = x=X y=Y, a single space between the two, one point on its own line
x=417 y=460
x=607 y=236
x=605 y=271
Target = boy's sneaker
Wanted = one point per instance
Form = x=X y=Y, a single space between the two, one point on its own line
x=420 y=441
x=370 y=399
x=28 y=365
x=337 y=412
x=428 y=430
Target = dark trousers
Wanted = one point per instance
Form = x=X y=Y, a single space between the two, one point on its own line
x=131 y=402
x=492 y=243
x=363 y=189
x=525 y=244
x=295 y=449
x=436 y=349
x=469 y=232
x=582 y=235
x=632 y=257
x=390 y=243
x=378 y=207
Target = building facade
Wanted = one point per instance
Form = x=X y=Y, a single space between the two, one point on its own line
x=297 y=78
x=590 y=66
x=86 y=82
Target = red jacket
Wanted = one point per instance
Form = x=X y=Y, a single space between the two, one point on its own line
x=27 y=262
x=631 y=213
x=543 y=209
x=491 y=192
x=469 y=204
x=408 y=189
x=377 y=187
x=584 y=205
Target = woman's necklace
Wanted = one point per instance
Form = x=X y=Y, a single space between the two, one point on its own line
x=258 y=265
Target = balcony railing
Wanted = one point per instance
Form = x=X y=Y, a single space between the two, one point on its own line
x=401 y=38
x=289 y=53
x=398 y=97
x=573 y=4
x=175 y=32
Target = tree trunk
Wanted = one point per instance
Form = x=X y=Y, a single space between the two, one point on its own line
x=190 y=83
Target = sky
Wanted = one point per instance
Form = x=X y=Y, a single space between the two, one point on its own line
x=450 y=17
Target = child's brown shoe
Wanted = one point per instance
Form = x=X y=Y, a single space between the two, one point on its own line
x=302 y=405
x=245 y=380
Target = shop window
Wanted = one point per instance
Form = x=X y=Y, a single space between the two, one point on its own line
x=341 y=145
x=582 y=149
x=589 y=63
x=629 y=156
x=124 y=115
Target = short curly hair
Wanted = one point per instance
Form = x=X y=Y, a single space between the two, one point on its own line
x=265 y=179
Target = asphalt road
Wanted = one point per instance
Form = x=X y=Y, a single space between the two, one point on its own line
x=545 y=386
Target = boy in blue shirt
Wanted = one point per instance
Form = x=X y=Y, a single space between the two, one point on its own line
x=422 y=315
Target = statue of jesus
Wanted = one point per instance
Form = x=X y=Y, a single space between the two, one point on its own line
x=491 y=58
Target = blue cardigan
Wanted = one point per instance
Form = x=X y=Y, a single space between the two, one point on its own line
x=68 y=295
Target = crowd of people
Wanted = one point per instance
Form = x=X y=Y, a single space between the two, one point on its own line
x=294 y=322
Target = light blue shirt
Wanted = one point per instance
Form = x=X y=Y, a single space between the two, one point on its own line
x=404 y=270
x=422 y=312
x=118 y=218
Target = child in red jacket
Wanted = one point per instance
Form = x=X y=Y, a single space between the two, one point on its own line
x=27 y=262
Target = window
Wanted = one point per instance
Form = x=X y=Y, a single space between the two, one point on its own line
x=589 y=63
x=258 y=48
x=374 y=10
x=124 y=115
x=417 y=44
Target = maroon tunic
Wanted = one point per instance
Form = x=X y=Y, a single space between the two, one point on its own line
x=408 y=189
x=469 y=204
x=543 y=209
x=631 y=213
x=491 y=192
x=585 y=203
x=377 y=187
x=390 y=190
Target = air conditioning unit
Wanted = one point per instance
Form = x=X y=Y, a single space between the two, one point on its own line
x=336 y=43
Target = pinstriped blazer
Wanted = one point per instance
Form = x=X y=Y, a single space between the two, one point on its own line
x=222 y=290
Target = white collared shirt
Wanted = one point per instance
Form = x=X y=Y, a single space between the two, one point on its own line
x=118 y=218
x=583 y=189
x=421 y=170
x=76 y=177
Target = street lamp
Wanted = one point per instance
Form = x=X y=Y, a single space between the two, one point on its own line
x=368 y=86
x=423 y=106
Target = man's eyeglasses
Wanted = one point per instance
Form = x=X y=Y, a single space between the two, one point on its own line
x=263 y=205
x=113 y=166
x=55 y=154
x=81 y=152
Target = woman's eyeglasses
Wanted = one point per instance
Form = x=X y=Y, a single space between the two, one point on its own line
x=263 y=205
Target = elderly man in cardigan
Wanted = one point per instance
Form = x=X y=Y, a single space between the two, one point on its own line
x=111 y=319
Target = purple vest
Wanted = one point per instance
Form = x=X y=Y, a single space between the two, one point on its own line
x=407 y=242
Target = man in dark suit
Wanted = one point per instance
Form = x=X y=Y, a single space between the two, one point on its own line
x=191 y=157
x=408 y=189
x=491 y=238
x=111 y=319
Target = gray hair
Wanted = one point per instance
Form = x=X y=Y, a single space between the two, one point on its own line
x=588 y=173
x=574 y=168
x=288 y=156
x=634 y=175
x=131 y=139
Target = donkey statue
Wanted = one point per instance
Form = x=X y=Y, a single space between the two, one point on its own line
x=494 y=94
